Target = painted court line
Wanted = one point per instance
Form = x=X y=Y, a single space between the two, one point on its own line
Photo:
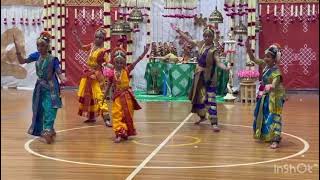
x=301 y=152
x=144 y=162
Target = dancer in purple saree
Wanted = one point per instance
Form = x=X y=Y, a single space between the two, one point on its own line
x=203 y=91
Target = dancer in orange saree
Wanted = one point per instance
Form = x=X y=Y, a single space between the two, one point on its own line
x=124 y=102
x=91 y=97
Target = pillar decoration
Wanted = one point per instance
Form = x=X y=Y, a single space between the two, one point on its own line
x=249 y=19
x=54 y=20
x=53 y=27
x=58 y=28
x=64 y=18
x=149 y=38
x=107 y=24
x=251 y=33
x=129 y=48
x=230 y=47
x=49 y=21
x=45 y=15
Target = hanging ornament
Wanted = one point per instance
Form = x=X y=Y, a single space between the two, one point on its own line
x=136 y=17
x=117 y=28
x=215 y=17
x=240 y=30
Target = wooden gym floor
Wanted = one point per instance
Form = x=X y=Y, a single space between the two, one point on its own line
x=168 y=146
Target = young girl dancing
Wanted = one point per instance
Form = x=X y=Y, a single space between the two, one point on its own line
x=46 y=95
x=124 y=102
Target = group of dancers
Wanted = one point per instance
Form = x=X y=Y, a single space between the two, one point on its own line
x=102 y=73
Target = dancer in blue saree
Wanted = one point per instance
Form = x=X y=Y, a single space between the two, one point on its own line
x=46 y=95
x=267 y=123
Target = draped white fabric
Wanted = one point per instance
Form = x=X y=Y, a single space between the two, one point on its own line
x=160 y=32
x=31 y=32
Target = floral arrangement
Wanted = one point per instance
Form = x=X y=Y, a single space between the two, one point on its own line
x=251 y=74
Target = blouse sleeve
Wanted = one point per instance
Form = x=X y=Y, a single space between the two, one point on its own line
x=33 y=57
x=56 y=65
x=260 y=61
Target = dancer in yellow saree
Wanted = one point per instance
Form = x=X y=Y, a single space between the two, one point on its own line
x=91 y=98
x=124 y=102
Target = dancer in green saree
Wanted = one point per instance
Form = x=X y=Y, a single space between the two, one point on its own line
x=46 y=95
x=267 y=123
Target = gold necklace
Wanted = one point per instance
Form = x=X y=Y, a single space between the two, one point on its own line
x=117 y=75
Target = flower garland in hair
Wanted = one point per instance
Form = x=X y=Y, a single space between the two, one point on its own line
x=45 y=35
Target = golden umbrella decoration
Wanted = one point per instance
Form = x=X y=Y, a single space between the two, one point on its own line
x=216 y=17
x=135 y=16
x=240 y=30
x=117 y=28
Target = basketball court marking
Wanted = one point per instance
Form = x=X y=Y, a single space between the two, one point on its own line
x=305 y=149
x=196 y=141
x=154 y=152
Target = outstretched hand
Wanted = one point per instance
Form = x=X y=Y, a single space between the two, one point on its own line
x=146 y=49
x=174 y=27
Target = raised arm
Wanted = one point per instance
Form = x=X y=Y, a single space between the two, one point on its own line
x=58 y=70
x=19 y=56
x=250 y=53
x=79 y=42
x=146 y=49
x=183 y=35
x=219 y=63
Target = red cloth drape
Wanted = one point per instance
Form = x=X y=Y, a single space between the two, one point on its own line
x=299 y=42
x=76 y=58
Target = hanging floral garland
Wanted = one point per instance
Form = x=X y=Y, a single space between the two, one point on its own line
x=175 y=9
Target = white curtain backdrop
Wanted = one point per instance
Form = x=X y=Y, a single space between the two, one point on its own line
x=30 y=34
x=160 y=32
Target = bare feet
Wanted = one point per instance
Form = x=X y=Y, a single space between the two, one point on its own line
x=274 y=145
x=108 y=123
x=106 y=119
x=199 y=121
x=215 y=128
x=46 y=137
x=117 y=139
x=90 y=121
